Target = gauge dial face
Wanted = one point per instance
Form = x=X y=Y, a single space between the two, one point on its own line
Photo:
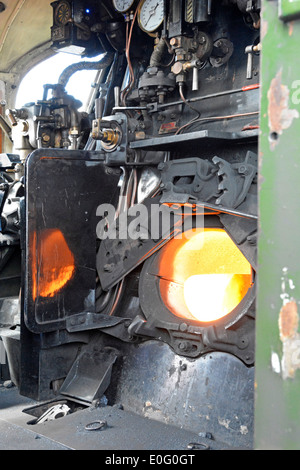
x=63 y=13
x=123 y=5
x=151 y=15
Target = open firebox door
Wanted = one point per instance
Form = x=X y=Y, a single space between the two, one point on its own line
x=139 y=221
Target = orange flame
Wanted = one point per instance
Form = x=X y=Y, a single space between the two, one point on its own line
x=52 y=263
x=205 y=277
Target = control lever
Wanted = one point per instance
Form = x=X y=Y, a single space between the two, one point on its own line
x=180 y=68
x=250 y=50
x=195 y=64
x=117 y=96
x=99 y=107
x=195 y=79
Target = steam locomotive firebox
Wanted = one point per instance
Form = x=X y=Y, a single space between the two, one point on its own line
x=138 y=230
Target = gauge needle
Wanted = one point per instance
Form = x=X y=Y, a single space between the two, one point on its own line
x=152 y=12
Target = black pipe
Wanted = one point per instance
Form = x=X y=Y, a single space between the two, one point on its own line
x=69 y=71
x=205 y=97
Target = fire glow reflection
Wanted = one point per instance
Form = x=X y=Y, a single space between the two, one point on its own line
x=203 y=278
x=52 y=263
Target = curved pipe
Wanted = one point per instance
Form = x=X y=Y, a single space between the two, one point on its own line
x=157 y=54
x=73 y=68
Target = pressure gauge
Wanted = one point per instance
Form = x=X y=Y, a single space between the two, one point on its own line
x=63 y=13
x=123 y=5
x=151 y=15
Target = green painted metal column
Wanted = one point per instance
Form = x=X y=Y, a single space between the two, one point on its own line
x=277 y=405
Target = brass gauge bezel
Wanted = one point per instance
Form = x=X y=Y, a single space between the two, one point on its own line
x=67 y=15
x=148 y=31
x=126 y=9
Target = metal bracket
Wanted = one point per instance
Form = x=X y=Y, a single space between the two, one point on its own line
x=89 y=376
x=188 y=177
x=117 y=154
x=91 y=321
x=114 y=326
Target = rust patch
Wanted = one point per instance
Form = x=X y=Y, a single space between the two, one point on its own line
x=280 y=116
x=288 y=320
x=288 y=327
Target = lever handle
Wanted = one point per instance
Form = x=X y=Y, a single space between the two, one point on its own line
x=249 y=52
x=195 y=79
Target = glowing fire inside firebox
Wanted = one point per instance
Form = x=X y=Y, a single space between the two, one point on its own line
x=205 y=277
x=52 y=263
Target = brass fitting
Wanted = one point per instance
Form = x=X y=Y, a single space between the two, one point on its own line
x=110 y=137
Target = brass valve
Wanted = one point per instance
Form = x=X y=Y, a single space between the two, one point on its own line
x=110 y=137
x=179 y=69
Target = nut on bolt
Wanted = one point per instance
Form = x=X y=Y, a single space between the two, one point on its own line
x=183 y=327
x=108 y=267
x=184 y=346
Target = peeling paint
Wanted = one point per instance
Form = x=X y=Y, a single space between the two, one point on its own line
x=291 y=284
x=288 y=328
x=244 y=430
x=224 y=422
x=280 y=116
x=288 y=321
x=275 y=363
x=287 y=285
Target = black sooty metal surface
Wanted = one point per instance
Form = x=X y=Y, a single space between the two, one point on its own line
x=211 y=394
x=107 y=428
x=62 y=196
